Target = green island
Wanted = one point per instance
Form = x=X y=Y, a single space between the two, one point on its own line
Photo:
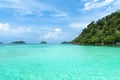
x=65 y=42
x=105 y=31
x=18 y=42
x=43 y=42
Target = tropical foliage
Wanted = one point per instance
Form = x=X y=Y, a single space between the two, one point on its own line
x=104 y=31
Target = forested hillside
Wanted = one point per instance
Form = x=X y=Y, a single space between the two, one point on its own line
x=105 y=31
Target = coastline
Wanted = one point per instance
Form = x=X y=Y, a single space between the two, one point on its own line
x=97 y=44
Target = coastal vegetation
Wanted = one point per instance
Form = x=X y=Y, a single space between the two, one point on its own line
x=43 y=42
x=18 y=42
x=105 y=31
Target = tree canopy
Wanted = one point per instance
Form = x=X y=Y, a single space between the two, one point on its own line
x=104 y=31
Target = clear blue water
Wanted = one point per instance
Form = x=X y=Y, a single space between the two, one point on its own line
x=59 y=62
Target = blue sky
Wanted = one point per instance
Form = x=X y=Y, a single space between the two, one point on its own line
x=50 y=20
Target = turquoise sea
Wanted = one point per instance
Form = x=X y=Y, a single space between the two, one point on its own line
x=59 y=62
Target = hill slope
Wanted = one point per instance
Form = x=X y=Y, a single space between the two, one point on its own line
x=104 y=31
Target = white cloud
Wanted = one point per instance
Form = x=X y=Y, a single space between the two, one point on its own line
x=96 y=4
x=31 y=34
x=53 y=34
x=42 y=33
x=60 y=14
x=25 y=7
x=78 y=25
x=7 y=30
x=17 y=5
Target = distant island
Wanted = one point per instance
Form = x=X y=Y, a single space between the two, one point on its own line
x=65 y=42
x=1 y=43
x=43 y=42
x=105 y=31
x=18 y=42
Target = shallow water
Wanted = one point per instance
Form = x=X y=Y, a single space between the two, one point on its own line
x=59 y=62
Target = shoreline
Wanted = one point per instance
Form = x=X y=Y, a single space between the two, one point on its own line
x=62 y=44
x=97 y=44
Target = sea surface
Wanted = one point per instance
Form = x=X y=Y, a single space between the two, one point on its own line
x=59 y=62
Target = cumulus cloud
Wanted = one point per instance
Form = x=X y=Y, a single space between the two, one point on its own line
x=43 y=33
x=6 y=29
x=78 y=25
x=96 y=4
x=53 y=34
